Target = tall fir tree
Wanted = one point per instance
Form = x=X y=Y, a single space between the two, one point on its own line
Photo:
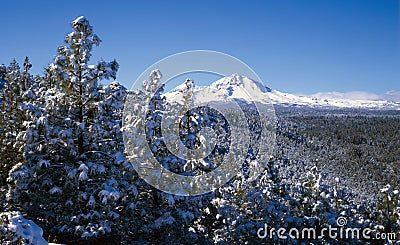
x=14 y=96
x=75 y=175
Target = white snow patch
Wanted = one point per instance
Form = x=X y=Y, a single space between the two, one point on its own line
x=24 y=228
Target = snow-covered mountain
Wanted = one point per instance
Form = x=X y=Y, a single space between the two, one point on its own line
x=242 y=87
x=321 y=100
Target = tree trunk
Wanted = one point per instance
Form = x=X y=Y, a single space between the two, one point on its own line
x=80 y=112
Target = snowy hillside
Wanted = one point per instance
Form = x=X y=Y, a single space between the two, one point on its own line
x=241 y=87
x=278 y=97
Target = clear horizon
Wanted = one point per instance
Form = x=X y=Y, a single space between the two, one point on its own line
x=302 y=47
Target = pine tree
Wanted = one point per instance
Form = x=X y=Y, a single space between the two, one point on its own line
x=15 y=95
x=159 y=217
x=3 y=71
x=388 y=213
x=75 y=175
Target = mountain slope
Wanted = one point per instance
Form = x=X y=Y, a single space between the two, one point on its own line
x=241 y=87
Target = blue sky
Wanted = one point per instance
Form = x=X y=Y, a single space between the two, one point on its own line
x=294 y=46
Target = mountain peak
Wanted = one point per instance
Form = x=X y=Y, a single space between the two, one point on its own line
x=230 y=84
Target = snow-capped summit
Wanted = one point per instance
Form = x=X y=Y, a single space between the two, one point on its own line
x=241 y=87
x=237 y=80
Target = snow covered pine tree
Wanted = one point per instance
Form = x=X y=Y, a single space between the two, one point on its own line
x=75 y=175
x=14 y=95
x=159 y=217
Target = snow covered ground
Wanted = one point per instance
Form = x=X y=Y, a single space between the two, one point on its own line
x=21 y=228
x=241 y=87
